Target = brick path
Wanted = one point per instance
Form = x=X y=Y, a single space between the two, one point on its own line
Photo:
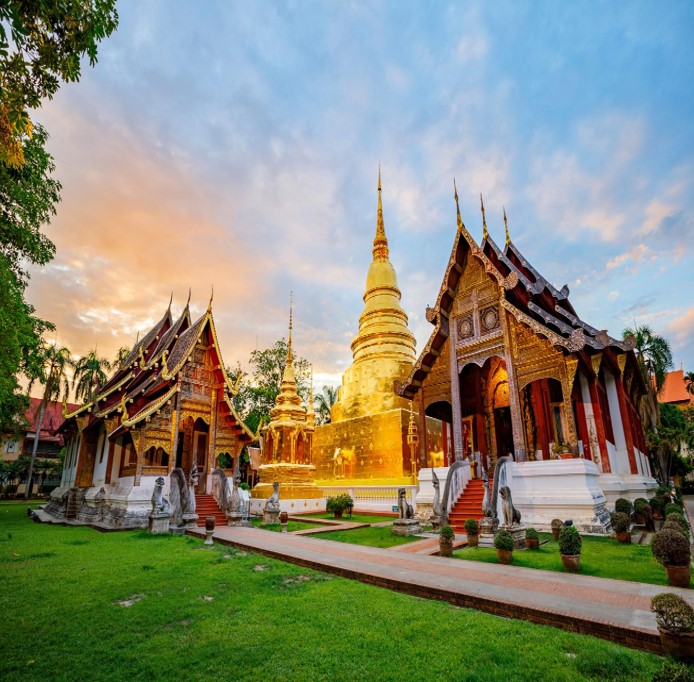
x=612 y=609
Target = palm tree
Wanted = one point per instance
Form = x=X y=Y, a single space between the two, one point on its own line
x=89 y=375
x=121 y=356
x=653 y=353
x=53 y=375
x=689 y=381
x=324 y=402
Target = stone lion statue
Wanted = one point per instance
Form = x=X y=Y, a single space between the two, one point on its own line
x=487 y=508
x=405 y=510
x=273 y=502
x=160 y=505
x=511 y=514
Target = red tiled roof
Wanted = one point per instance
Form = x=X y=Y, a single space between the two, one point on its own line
x=52 y=418
x=675 y=389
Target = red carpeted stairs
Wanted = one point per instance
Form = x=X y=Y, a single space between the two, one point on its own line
x=469 y=505
x=206 y=505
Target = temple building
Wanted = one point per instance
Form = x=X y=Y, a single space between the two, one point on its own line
x=286 y=448
x=515 y=371
x=168 y=405
x=367 y=435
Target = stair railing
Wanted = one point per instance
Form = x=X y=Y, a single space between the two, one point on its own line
x=458 y=477
x=220 y=488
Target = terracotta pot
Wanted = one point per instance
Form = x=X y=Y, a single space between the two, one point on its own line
x=677 y=644
x=639 y=519
x=678 y=576
x=209 y=523
x=338 y=514
x=555 y=533
x=657 y=516
x=473 y=540
x=532 y=544
x=505 y=556
x=624 y=538
x=284 y=517
x=572 y=562
x=445 y=546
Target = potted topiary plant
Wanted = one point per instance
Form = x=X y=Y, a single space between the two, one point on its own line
x=570 y=548
x=532 y=539
x=557 y=525
x=639 y=504
x=675 y=618
x=623 y=506
x=672 y=549
x=672 y=508
x=656 y=507
x=504 y=546
x=621 y=526
x=678 y=523
x=472 y=530
x=446 y=535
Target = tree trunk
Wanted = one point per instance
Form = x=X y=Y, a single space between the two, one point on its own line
x=34 y=449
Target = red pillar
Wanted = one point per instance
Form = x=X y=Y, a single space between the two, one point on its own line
x=626 y=425
x=599 y=426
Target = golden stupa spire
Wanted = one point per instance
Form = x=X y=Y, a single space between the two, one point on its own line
x=380 y=249
x=485 y=233
x=290 y=355
x=508 y=236
x=457 y=207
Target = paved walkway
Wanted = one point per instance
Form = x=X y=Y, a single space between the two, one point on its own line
x=611 y=609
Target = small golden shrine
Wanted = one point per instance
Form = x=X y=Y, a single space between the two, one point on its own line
x=286 y=445
x=367 y=436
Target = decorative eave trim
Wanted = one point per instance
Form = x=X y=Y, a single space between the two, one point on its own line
x=151 y=408
x=552 y=337
x=253 y=436
x=115 y=387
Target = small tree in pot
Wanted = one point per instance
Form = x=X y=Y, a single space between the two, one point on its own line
x=671 y=549
x=504 y=546
x=657 y=507
x=446 y=535
x=557 y=525
x=532 y=539
x=621 y=525
x=675 y=620
x=639 y=504
x=570 y=548
x=672 y=509
x=623 y=506
x=472 y=530
x=337 y=505
x=678 y=523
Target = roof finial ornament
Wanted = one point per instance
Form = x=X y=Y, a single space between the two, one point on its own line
x=209 y=305
x=508 y=236
x=457 y=207
x=190 y=291
x=380 y=249
x=485 y=233
x=170 y=300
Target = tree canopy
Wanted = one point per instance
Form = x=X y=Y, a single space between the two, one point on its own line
x=41 y=44
x=90 y=373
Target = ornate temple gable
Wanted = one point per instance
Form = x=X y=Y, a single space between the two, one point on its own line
x=145 y=345
x=169 y=338
x=534 y=357
x=436 y=385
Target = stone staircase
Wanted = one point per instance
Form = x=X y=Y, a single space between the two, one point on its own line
x=206 y=505
x=468 y=505
x=75 y=500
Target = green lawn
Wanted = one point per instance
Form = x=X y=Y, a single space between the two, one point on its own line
x=291 y=525
x=602 y=557
x=78 y=604
x=357 y=518
x=373 y=536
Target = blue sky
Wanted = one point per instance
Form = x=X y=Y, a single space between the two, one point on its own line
x=237 y=144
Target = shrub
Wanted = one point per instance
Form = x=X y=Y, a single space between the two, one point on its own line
x=678 y=523
x=672 y=612
x=620 y=522
x=639 y=504
x=504 y=540
x=656 y=504
x=671 y=548
x=570 y=541
x=337 y=504
x=447 y=532
x=244 y=486
x=471 y=527
x=532 y=534
x=623 y=506
x=662 y=490
x=672 y=671
x=557 y=524
x=672 y=509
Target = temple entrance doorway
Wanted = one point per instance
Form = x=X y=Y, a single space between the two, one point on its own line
x=503 y=430
x=437 y=446
x=193 y=442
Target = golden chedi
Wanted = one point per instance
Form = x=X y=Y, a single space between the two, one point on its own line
x=366 y=438
x=286 y=446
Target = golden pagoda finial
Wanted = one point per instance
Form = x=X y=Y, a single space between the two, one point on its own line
x=485 y=233
x=457 y=207
x=209 y=305
x=508 y=236
x=380 y=249
x=170 y=300
x=290 y=356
